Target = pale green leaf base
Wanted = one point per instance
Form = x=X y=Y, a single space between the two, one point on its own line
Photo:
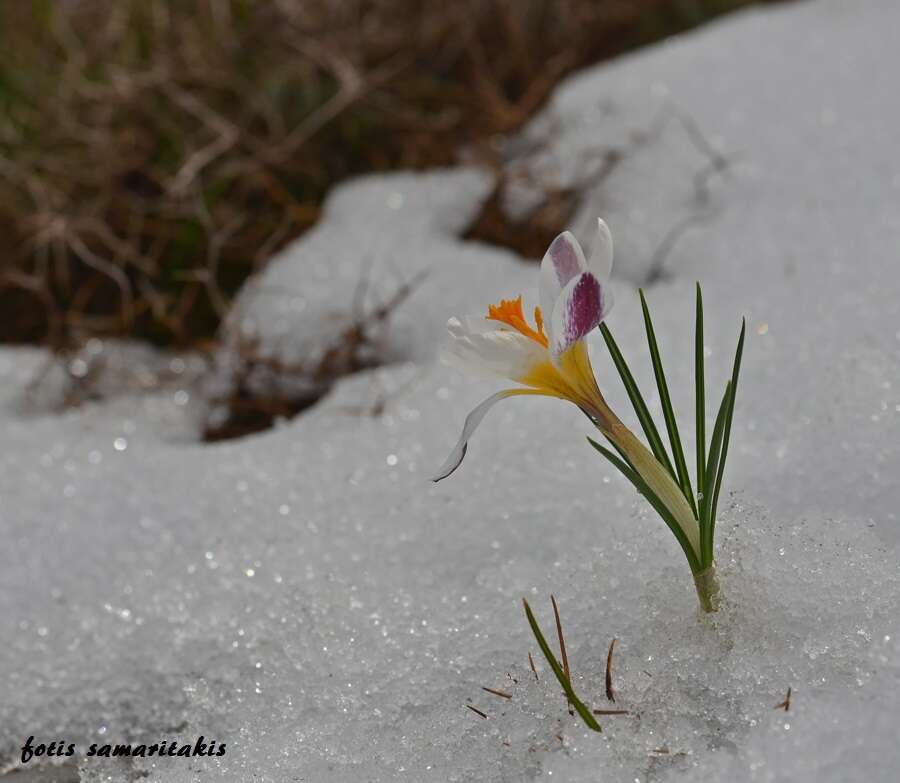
x=707 y=589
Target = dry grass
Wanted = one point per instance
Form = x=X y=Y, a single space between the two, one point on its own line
x=153 y=154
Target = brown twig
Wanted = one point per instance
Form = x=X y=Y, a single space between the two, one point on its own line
x=562 y=646
x=476 y=711
x=786 y=704
x=610 y=694
x=501 y=694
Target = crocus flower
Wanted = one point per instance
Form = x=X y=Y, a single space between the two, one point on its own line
x=549 y=357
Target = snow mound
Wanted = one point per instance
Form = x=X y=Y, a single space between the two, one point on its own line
x=377 y=235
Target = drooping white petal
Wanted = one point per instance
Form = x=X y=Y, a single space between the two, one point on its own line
x=488 y=350
x=582 y=304
x=474 y=418
x=601 y=261
x=563 y=260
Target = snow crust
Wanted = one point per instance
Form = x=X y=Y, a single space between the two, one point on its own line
x=307 y=597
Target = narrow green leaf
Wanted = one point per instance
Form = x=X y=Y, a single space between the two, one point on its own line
x=643 y=488
x=622 y=465
x=707 y=524
x=735 y=372
x=700 y=398
x=637 y=401
x=583 y=711
x=684 y=479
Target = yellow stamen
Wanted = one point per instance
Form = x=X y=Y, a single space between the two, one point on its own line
x=539 y=320
x=509 y=312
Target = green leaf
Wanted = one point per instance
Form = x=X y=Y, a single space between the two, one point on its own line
x=583 y=711
x=707 y=523
x=700 y=398
x=643 y=488
x=622 y=465
x=637 y=401
x=684 y=479
x=735 y=372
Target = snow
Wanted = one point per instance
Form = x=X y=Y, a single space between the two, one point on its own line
x=308 y=597
x=376 y=236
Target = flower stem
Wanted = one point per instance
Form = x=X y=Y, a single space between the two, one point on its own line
x=707 y=588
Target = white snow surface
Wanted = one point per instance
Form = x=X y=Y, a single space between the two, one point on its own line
x=308 y=597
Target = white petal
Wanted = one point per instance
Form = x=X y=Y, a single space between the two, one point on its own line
x=474 y=418
x=478 y=324
x=497 y=352
x=607 y=300
x=563 y=260
x=602 y=255
x=582 y=304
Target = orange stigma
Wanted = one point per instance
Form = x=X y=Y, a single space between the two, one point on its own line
x=509 y=312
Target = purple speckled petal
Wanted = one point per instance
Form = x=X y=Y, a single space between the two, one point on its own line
x=563 y=261
x=567 y=257
x=579 y=308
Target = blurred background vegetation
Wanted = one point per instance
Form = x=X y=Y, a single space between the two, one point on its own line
x=154 y=153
